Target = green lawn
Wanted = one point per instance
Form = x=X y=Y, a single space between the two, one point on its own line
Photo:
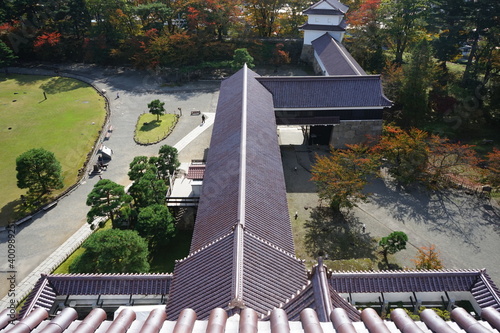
x=66 y=123
x=150 y=130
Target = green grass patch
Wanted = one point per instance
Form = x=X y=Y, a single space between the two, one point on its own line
x=151 y=130
x=67 y=123
x=64 y=267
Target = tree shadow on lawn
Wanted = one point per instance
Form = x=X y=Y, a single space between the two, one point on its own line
x=61 y=84
x=151 y=125
x=18 y=209
x=339 y=236
x=448 y=211
x=22 y=79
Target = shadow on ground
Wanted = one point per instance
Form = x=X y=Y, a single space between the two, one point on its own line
x=60 y=84
x=449 y=211
x=149 y=126
x=339 y=236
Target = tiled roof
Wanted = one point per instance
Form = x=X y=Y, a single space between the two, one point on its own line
x=475 y=281
x=328 y=92
x=49 y=286
x=334 y=4
x=242 y=220
x=335 y=58
x=321 y=27
x=248 y=321
x=313 y=11
x=319 y=296
x=196 y=172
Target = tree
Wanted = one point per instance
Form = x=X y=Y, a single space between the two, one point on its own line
x=155 y=224
x=106 y=199
x=113 y=251
x=241 y=57
x=403 y=21
x=148 y=190
x=366 y=41
x=39 y=171
x=416 y=84
x=138 y=167
x=449 y=159
x=395 y=242
x=493 y=159
x=166 y=162
x=406 y=153
x=341 y=176
x=156 y=107
x=7 y=56
x=428 y=258
x=213 y=17
x=263 y=15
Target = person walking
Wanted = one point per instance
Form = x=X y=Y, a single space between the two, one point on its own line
x=203 y=118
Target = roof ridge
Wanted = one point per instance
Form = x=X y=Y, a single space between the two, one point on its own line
x=409 y=272
x=204 y=247
x=262 y=240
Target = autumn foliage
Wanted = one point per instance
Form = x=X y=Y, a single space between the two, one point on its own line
x=493 y=159
x=342 y=175
x=415 y=156
x=428 y=258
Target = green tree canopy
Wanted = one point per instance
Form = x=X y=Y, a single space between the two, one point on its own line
x=106 y=199
x=139 y=166
x=39 y=171
x=166 y=162
x=113 y=251
x=395 y=242
x=156 y=107
x=148 y=190
x=241 y=57
x=156 y=224
x=7 y=56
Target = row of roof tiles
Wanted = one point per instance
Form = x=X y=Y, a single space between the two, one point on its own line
x=247 y=322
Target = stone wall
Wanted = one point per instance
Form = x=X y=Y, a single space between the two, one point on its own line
x=354 y=131
x=307 y=54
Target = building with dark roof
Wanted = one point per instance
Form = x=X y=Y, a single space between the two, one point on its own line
x=241 y=274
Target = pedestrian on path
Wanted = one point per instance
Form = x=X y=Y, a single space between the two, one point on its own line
x=203 y=118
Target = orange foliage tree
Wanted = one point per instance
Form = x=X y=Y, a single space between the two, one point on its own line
x=450 y=159
x=342 y=175
x=415 y=156
x=494 y=167
x=428 y=258
x=406 y=153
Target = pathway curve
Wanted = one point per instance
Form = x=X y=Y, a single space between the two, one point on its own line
x=48 y=237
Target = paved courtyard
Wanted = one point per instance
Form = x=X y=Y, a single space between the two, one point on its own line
x=464 y=227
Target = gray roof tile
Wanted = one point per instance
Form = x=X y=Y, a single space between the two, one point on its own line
x=335 y=58
x=327 y=92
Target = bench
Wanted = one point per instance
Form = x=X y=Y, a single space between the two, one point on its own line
x=195 y=112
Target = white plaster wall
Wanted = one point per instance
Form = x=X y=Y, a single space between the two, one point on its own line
x=310 y=35
x=324 y=19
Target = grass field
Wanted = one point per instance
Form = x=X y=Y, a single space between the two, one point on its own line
x=67 y=123
x=149 y=130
